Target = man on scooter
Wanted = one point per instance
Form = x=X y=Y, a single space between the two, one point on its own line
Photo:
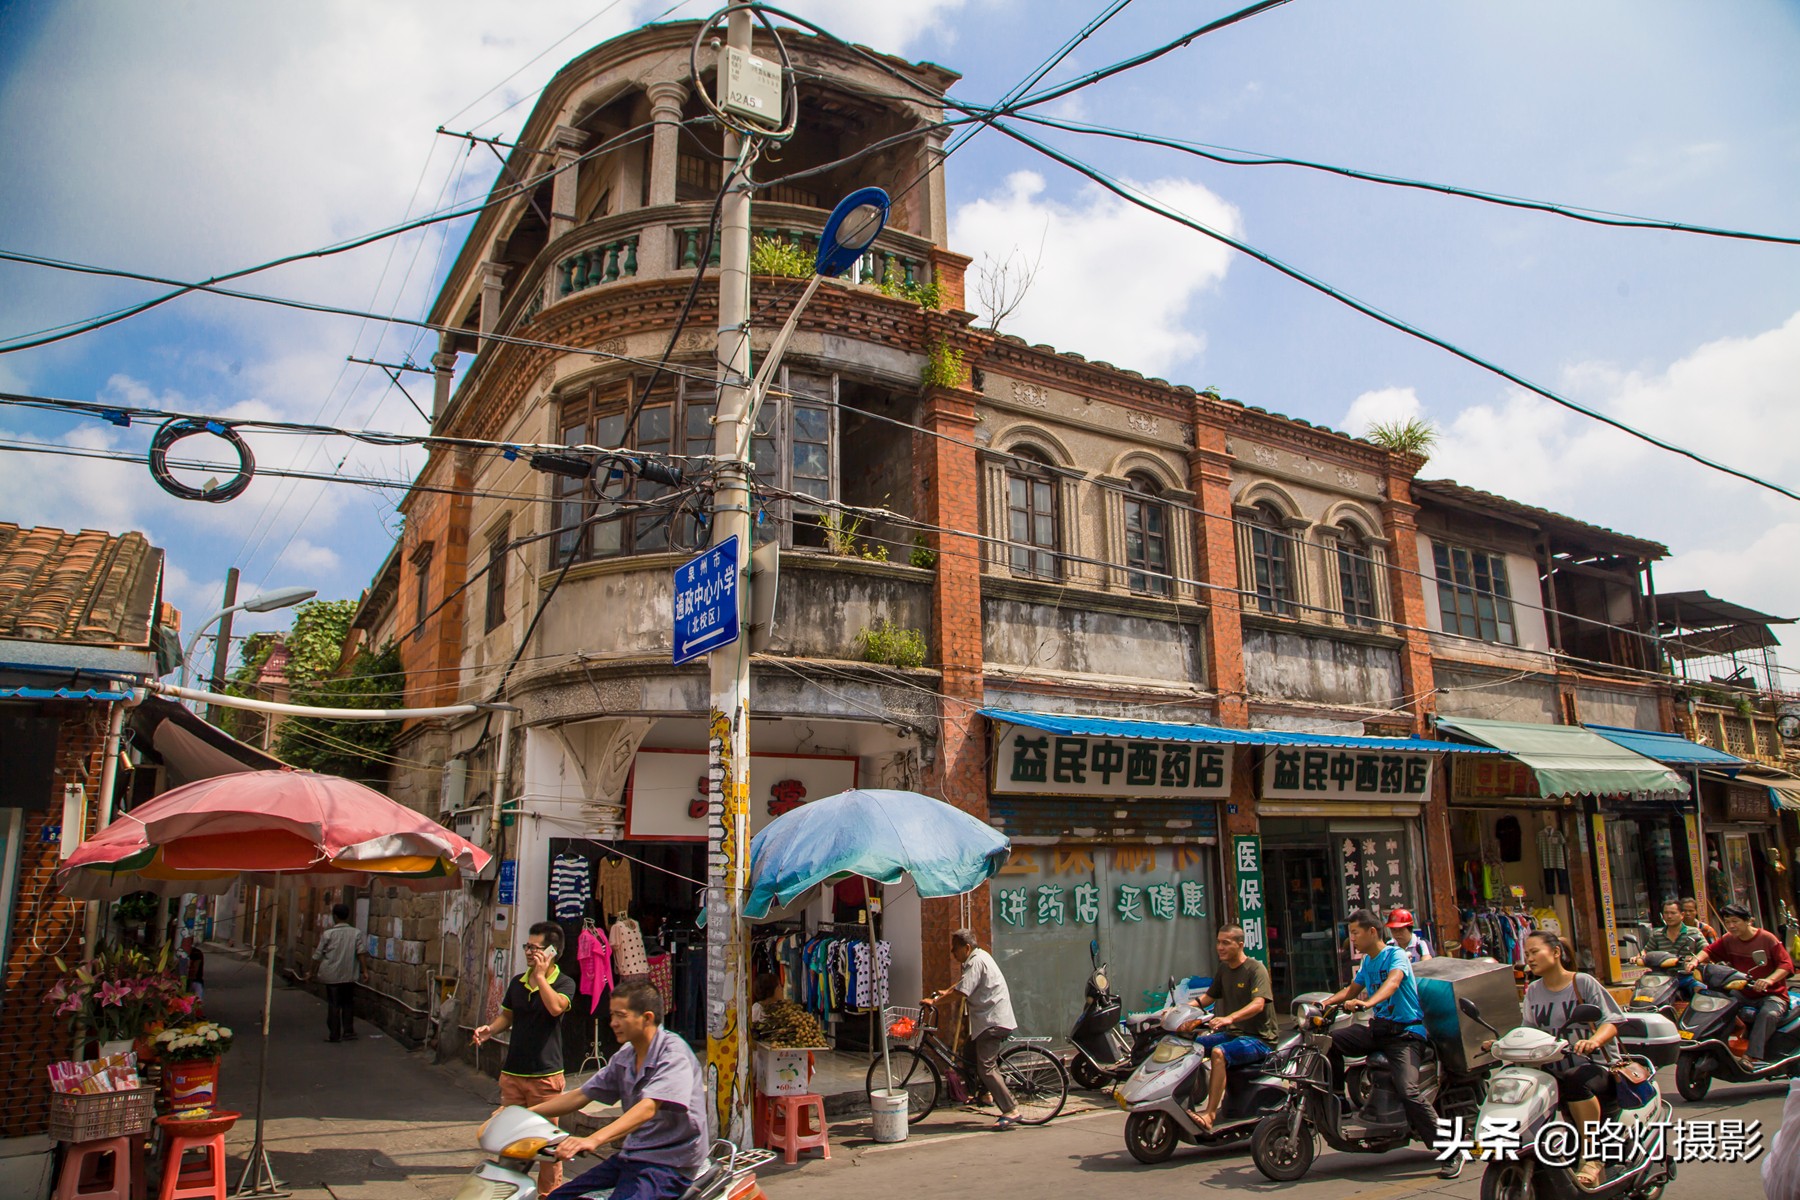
x=1760 y=955
x=1242 y=1027
x=1385 y=983
x=1674 y=936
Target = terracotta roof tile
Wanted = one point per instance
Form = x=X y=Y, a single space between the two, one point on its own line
x=89 y=587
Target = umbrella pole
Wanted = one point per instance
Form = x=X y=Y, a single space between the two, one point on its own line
x=887 y=1063
x=259 y=1177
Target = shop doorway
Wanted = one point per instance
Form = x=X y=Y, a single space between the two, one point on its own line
x=1303 y=953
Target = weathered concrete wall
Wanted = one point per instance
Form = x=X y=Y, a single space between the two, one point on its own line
x=1633 y=710
x=1089 y=639
x=1290 y=665
x=824 y=602
x=1468 y=692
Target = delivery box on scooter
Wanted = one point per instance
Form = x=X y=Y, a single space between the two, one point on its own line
x=1445 y=981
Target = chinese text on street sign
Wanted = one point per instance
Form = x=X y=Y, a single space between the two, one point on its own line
x=706 y=601
x=1346 y=774
x=1246 y=856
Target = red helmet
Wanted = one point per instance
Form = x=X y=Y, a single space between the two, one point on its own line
x=1400 y=918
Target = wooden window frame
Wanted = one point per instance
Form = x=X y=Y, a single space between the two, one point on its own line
x=1465 y=607
x=1273 y=555
x=1357 y=596
x=1031 y=557
x=499 y=551
x=1144 y=506
x=421 y=565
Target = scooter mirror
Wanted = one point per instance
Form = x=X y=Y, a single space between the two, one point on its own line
x=1468 y=1008
x=1094 y=949
x=1585 y=1014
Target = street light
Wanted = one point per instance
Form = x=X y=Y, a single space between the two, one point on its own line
x=261 y=603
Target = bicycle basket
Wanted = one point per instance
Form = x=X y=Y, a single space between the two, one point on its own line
x=905 y=1026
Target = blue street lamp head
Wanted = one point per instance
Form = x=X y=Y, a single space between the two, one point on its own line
x=852 y=228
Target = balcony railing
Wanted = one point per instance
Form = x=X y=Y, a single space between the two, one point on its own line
x=596 y=265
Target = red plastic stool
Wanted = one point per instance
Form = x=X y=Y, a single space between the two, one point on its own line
x=187 y=1180
x=87 y=1174
x=797 y=1123
x=761 y=1115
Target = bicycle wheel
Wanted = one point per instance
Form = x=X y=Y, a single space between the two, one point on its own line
x=1037 y=1082
x=912 y=1071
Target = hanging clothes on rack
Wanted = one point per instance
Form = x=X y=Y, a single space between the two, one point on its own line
x=571 y=886
x=661 y=969
x=629 y=958
x=615 y=888
x=594 y=955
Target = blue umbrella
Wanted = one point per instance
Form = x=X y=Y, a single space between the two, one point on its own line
x=876 y=833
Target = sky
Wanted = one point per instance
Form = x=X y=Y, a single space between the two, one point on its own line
x=205 y=136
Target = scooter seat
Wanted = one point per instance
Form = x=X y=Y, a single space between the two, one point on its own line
x=1792 y=1021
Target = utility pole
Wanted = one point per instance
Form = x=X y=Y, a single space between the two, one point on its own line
x=728 y=742
x=222 y=647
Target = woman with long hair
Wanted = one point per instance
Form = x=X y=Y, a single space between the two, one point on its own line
x=1585 y=1073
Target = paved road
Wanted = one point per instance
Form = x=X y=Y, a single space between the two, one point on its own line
x=953 y=1155
x=367 y=1120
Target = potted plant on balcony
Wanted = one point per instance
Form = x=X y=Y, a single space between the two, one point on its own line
x=190 y=1057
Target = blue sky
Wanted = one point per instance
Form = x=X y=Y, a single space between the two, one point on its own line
x=206 y=136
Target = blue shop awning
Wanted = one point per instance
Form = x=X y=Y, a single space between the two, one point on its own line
x=1670 y=748
x=31 y=693
x=1217 y=735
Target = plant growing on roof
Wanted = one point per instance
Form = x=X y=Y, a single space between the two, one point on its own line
x=922 y=554
x=895 y=283
x=1415 y=436
x=943 y=366
x=778 y=256
x=840 y=530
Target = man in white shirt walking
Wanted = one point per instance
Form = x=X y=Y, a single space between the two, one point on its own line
x=338 y=965
x=991 y=1019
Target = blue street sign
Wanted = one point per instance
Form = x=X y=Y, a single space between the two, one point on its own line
x=706 y=601
x=509 y=881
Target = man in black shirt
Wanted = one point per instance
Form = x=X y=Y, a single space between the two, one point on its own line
x=533 y=1009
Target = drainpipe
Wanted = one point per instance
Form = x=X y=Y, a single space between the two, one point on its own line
x=109 y=779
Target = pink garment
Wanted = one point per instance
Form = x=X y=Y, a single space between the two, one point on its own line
x=594 y=955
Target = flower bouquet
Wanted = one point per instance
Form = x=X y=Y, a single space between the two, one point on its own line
x=121 y=996
x=190 y=1057
x=193 y=1041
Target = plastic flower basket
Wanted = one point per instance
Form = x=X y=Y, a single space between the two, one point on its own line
x=91 y=1116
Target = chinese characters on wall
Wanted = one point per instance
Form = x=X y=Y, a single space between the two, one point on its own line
x=1080 y=904
x=1246 y=853
x=1371 y=870
x=1346 y=774
x=1051 y=764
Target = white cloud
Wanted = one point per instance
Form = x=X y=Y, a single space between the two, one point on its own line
x=1381 y=405
x=1731 y=400
x=1098 y=245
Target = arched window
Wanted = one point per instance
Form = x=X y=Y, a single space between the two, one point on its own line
x=1032 y=525
x=1356 y=576
x=1271 y=561
x=1146 y=537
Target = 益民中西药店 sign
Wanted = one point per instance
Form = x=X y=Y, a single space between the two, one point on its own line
x=1346 y=774
x=1033 y=762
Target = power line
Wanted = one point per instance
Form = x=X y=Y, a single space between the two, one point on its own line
x=1245 y=158
x=1150 y=204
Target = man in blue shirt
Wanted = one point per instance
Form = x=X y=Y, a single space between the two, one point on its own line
x=657 y=1081
x=1396 y=1028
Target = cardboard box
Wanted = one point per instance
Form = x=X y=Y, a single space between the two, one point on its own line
x=783 y=1072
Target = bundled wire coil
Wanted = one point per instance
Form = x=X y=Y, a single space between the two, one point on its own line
x=184 y=427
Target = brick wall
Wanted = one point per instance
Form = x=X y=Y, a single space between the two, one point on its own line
x=44 y=926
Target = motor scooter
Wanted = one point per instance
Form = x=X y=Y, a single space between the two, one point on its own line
x=521 y=1140
x=1709 y=1050
x=1522 y=1098
x=1174 y=1080
x=1663 y=986
x=1285 y=1142
x=1108 y=1045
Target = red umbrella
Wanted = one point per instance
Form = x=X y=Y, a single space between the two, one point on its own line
x=314 y=829
x=267 y=826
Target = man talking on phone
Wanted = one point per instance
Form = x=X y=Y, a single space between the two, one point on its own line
x=533 y=1009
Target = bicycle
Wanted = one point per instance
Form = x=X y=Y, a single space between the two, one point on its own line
x=927 y=1069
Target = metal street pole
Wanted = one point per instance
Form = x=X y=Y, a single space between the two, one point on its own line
x=222 y=647
x=728 y=824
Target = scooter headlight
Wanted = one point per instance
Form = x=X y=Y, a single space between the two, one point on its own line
x=1169 y=1050
x=1099 y=981
x=1508 y=1090
x=525 y=1147
x=1709 y=1003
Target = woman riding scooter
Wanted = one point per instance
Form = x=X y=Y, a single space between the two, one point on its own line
x=1585 y=1073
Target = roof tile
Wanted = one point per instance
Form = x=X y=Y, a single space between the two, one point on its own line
x=88 y=587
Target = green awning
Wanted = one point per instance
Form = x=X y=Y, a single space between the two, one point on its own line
x=1570 y=761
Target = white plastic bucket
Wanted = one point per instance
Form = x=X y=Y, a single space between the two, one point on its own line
x=889 y=1109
